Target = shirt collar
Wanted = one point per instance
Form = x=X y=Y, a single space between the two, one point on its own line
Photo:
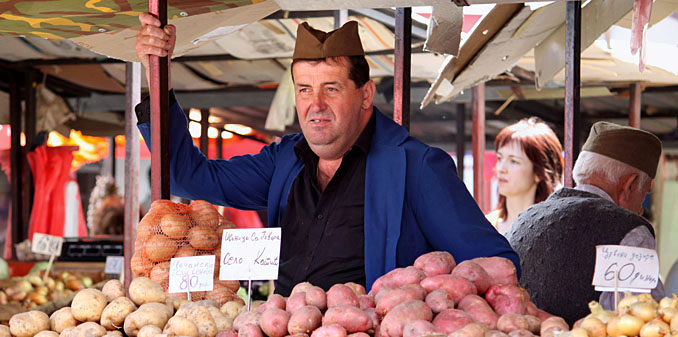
x=595 y=190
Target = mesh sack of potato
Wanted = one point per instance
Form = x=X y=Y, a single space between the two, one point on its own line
x=177 y=230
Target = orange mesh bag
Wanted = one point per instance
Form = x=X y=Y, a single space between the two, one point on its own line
x=178 y=230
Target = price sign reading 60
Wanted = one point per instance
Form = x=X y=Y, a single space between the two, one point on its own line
x=625 y=268
x=46 y=244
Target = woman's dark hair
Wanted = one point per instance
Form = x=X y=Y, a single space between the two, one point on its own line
x=542 y=147
x=358 y=72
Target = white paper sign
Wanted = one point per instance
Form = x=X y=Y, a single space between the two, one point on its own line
x=193 y=273
x=250 y=254
x=114 y=264
x=637 y=269
x=46 y=244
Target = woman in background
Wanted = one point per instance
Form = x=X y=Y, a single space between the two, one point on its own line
x=529 y=168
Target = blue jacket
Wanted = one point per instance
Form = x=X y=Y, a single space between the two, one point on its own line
x=414 y=201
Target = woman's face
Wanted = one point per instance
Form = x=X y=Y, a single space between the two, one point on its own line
x=514 y=171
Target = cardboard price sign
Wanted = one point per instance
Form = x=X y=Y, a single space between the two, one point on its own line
x=193 y=273
x=625 y=268
x=47 y=244
x=250 y=254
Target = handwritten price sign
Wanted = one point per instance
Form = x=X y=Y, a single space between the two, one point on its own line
x=114 y=264
x=47 y=244
x=193 y=273
x=636 y=269
x=250 y=254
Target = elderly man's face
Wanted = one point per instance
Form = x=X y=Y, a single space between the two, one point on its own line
x=332 y=111
x=633 y=200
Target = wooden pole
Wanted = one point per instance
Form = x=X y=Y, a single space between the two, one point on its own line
x=220 y=146
x=461 y=138
x=16 y=161
x=634 y=105
x=572 y=86
x=204 y=127
x=132 y=98
x=478 y=142
x=160 y=188
x=402 y=67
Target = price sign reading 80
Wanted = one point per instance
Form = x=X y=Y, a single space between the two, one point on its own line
x=46 y=244
x=193 y=273
x=625 y=268
x=188 y=282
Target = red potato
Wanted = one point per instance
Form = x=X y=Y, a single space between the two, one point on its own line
x=508 y=299
x=372 y=312
x=403 y=314
x=359 y=334
x=273 y=322
x=511 y=322
x=533 y=324
x=297 y=335
x=521 y=333
x=394 y=297
x=366 y=302
x=227 y=333
x=543 y=315
x=358 y=289
x=474 y=273
x=500 y=270
x=250 y=330
x=247 y=317
x=439 y=300
x=301 y=287
x=304 y=320
x=275 y=301
x=419 y=328
x=456 y=286
x=295 y=301
x=479 y=310
x=531 y=308
x=397 y=278
x=435 y=263
x=351 y=318
x=316 y=296
x=340 y=294
x=332 y=330
x=451 y=320
x=495 y=333
x=470 y=330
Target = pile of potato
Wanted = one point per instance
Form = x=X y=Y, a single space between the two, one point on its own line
x=31 y=290
x=178 y=230
x=477 y=298
x=146 y=312
x=637 y=315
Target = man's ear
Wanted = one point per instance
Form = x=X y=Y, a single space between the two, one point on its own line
x=368 y=90
x=627 y=186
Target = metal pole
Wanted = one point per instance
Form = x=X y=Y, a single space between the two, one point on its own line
x=220 y=146
x=572 y=86
x=16 y=161
x=159 y=113
x=461 y=138
x=340 y=18
x=204 y=127
x=402 y=67
x=132 y=98
x=478 y=142
x=634 y=105
x=29 y=131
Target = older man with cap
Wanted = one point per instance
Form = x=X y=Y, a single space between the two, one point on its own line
x=354 y=194
x=557 y=239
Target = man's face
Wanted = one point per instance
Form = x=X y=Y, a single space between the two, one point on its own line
x=332 y=112
x=633 y=197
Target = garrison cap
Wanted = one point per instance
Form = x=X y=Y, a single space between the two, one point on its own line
x=634 y=147
x=316 y=44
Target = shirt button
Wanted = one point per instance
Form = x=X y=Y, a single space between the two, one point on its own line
x=320 y=216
